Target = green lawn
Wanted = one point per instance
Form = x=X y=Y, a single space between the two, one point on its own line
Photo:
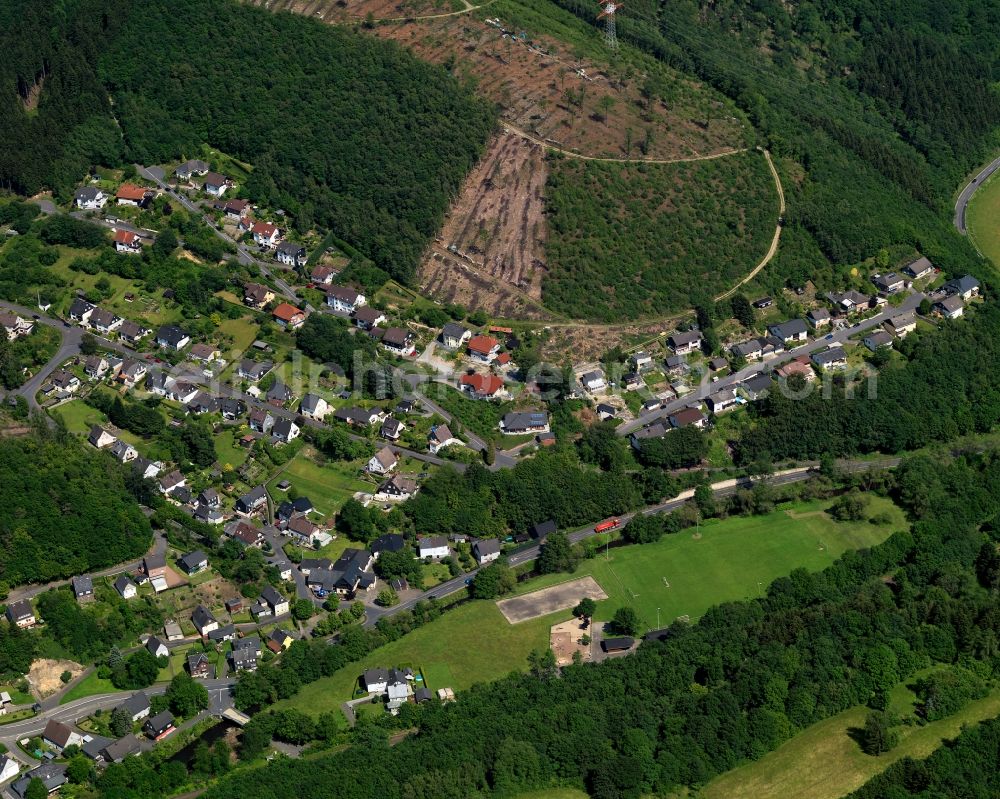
x=328 y=486
x=243 y=332
x=148 y=308
x=79 y=416
x=470 y=644
x=481 y=417
x=90 y=685
x=823 y=762
x=982 y=218
x=228 y=450
x=17 y=696
x=554 y=793
x=733 y=559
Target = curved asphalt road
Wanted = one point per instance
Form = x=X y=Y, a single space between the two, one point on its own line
x=963 y=199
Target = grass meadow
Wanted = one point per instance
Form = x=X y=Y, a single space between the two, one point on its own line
x=723 y=561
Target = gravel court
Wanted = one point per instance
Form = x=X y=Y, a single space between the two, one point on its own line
x=549 y=600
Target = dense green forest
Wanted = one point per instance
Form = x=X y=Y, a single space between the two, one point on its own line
x=632 y=241
x=66 y=511
x=552 y=485
x=343 y=130
x=947 y=388
x=733 y=686
x=965 y=766
x=885 y=106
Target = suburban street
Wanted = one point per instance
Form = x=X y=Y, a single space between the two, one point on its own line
x=219 y=700
x=822 y=343
x=156 y=175
x=962 y=203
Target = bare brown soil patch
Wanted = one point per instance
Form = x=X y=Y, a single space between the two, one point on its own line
x=585 y=342
x=44 y=675
x=565 y=641
x=491 y=251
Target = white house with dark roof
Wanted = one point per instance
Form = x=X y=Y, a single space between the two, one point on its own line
x=902 y=324
x=344 y=299
x=486 y=550
x=434 y=547
x=454 y=335
x=59 y=735
x=950 y=307
x=399 y=342
x=216 y=184
x=684 y=343
x=172 y=337
x=285 y=431
x=367 y=318
x=291 y=254
x=918 y=269
x=440 y=437
x=382 y=462
x=278 y=603
x=204 y=621
x=397 y=488
x=192 y=167
x=965 y=287
x=90 y=198
x=391 y=428
x=156 y=647
x=80 y=310
x=14 y=326
x=21 y=614
x=125 y=587
x=791 y=331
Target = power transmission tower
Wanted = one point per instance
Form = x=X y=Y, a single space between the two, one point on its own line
x=610 y=36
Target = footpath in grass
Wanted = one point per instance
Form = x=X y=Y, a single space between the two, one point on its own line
x=981 y=218
x=824 y=762
x=470 y=644
x=725 y=560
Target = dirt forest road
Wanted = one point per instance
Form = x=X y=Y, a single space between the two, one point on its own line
x=777 y=233
x=608 y=160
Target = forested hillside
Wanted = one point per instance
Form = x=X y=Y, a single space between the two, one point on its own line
x=641 y=240
x=885 y=105
x=65 y=510
x=945 y=390
x=343 y=130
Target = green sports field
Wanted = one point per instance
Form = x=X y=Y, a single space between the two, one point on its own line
x=724 y=560
x=982 y=218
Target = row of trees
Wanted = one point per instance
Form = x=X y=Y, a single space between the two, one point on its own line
x=962 y=767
